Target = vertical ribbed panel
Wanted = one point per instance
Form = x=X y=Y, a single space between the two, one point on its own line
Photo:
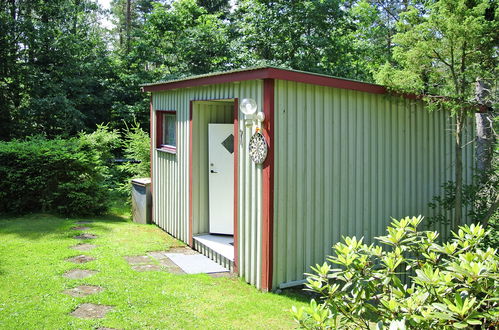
x=171 y=174
x=346 y=162
x=202 y=114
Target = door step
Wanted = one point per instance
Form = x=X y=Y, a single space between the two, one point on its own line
x=216 y=247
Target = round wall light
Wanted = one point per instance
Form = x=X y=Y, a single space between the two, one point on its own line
x=248 y=106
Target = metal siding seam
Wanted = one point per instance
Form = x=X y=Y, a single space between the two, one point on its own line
x=309 y=216
x=320 y=174
x=328 y=150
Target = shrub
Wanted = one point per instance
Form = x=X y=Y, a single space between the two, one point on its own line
x=137 y=146
x=453 y=285
x=62 y=176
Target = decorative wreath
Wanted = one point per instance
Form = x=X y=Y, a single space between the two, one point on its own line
x=258 y=148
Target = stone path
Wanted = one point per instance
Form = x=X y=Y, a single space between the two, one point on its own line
x=85 y=236
x=86 y=310
x=82 y=228
x=83 y=290
x=91 y=311
x=153 y=261
x=79 y=273
x=80 y=259
x=83 y=247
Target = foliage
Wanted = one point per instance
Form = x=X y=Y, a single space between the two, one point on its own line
x=442 y=48
x=454 y=285
x=311 y=35
x=53 y=68
x=137 y=146
x=63 y=176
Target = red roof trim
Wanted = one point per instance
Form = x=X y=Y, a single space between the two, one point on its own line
x=310 y=78
x=272 y=73
x=210 y=80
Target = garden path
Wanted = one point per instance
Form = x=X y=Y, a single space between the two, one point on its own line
x=153 y=261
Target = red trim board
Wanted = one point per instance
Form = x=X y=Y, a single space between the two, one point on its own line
x=268 y=73
x=268 y=186
x=151 y=150
x=191 y=242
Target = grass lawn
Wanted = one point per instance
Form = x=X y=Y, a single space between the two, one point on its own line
x=33 y=250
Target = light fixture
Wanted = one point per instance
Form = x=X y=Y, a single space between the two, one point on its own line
x=249 y=107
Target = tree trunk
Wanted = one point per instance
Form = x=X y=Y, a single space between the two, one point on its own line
x=128 y=24
x=485 y=138
x=460 y=121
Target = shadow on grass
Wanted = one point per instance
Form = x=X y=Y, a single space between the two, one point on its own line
x=38 y=225
x=299 y=294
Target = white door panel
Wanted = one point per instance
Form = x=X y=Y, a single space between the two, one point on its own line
x=221 y=178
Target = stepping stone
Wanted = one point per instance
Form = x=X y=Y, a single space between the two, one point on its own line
x=79 y=273
x=83 y=247
x=146 y=268
x=159 y=255
x=138 y=260
x=223 y=274
x=80 y=228
x=83 y=290
x=182 y=250
x=81 y=259
x=170 y=267
x=91 y=311
x=85 y=236
x=83 y=222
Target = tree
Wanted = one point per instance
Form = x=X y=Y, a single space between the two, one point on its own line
x=53 y=67
x=214 y=6
x=375 y=24
x=441 y=49
x=314 y=35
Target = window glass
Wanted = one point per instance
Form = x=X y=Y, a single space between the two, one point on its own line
x=169 y=129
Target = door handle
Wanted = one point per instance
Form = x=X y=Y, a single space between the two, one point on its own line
x=211 y=171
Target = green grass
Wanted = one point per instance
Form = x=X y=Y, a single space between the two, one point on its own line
x=33 y=250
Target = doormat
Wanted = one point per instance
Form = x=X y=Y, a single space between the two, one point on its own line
x=196 y=263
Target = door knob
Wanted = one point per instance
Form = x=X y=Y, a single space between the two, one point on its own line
x=211 y=171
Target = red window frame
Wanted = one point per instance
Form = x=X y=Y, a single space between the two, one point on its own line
x=159 y=131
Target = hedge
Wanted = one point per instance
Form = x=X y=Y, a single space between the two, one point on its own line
x=60 y=176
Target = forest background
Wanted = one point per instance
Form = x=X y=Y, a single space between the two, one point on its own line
x=69 y=66
x=63 y=71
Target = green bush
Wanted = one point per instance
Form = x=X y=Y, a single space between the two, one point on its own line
x=61 y=176
x=137 y=146
x=452 y=285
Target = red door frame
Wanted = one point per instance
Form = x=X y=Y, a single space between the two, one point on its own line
x=236 y=176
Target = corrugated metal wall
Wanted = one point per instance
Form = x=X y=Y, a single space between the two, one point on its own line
x=171 y=174
x=346 y=162
x=204 y=113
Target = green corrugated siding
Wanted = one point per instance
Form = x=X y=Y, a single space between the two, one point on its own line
x=347 y=161
x=171 y=174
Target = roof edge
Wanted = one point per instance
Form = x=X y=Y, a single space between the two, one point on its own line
x=267 y=72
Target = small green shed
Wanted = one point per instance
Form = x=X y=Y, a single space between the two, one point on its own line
x=340 y=157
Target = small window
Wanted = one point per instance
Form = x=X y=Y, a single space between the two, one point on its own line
x=166 y=130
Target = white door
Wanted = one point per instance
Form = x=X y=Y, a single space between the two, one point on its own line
x=221 y=178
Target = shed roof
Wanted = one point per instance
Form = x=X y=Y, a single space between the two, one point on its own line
x=265 y=72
